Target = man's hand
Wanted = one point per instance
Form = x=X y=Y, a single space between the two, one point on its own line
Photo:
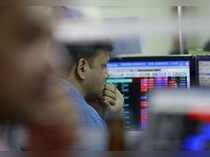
x=112 y=98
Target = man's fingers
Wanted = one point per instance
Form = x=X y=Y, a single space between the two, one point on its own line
x=112 y=98
x=110 y=87
x=109 y=101
x=110 y=94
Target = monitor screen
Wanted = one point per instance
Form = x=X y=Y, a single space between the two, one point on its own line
x=203 y=70
x=137 y=77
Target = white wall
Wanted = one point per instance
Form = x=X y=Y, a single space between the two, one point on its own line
x=157 y=43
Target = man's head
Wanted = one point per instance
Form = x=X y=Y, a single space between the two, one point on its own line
x=27 y=59
x=88 y=68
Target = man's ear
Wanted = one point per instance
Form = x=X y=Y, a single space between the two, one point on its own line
x=82 y=68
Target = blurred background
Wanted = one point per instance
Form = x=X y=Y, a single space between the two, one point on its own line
x=138 y=27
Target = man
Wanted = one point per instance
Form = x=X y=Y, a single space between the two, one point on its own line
x=86 y=83
x=29 y=90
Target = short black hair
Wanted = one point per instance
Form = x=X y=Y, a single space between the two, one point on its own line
x=87 y=50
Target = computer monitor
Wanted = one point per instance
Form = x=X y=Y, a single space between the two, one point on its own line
x=136 y=77
x=203 y=70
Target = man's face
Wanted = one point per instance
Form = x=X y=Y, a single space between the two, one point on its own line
x=97 y=74
x=28 y=72
x=27 y=60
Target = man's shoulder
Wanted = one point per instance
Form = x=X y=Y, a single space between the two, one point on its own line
x=71 y=91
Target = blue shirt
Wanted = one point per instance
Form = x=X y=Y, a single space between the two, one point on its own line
x=89 y=119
